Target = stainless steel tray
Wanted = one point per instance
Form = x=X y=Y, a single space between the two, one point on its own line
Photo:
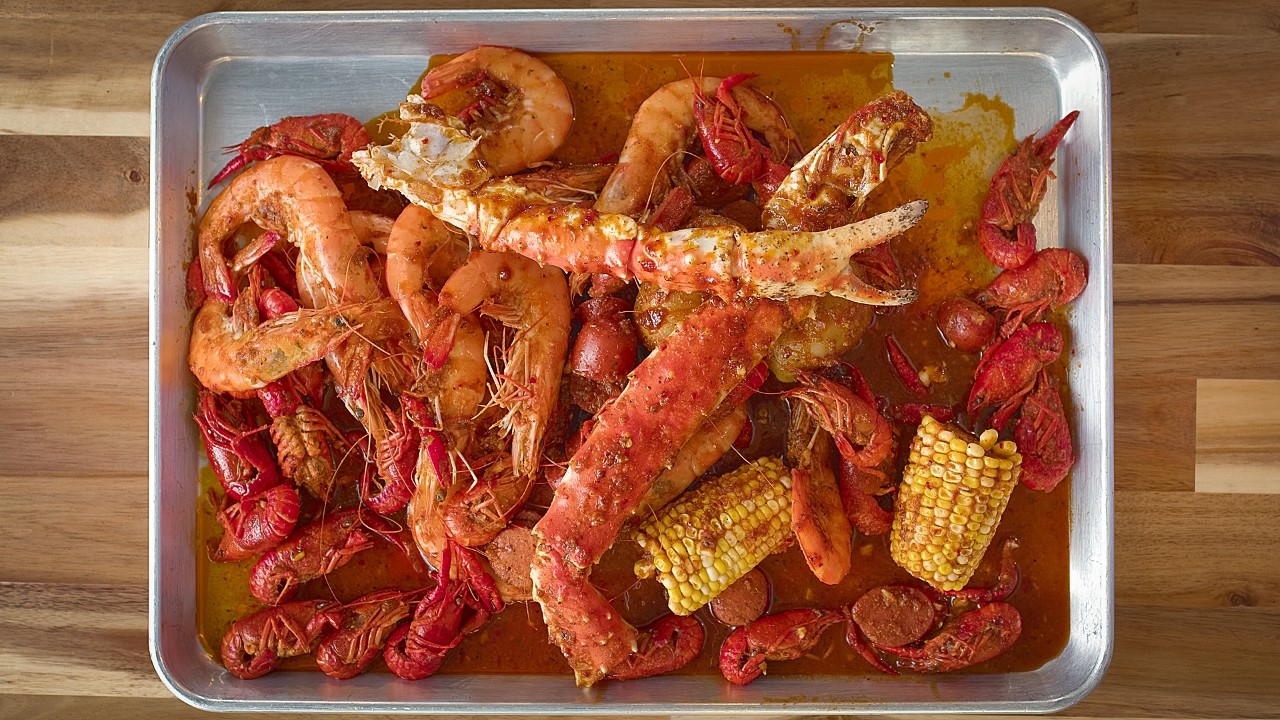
x=221 y=75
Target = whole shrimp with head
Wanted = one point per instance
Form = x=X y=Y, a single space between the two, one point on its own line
x=296 y=198
x=667 y=122
x=437 y=165
x=421 y=254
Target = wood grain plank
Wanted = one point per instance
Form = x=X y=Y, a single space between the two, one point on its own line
x=1195 y=550
x=1240 y=17
x=1155 y=431
x=1195 y=168
x=1190 y=663
x=1175 y=322
x=101 y=175
x=89 y=529
x=77 y=639
x=73 y=352
x=57 y=84
x=1238 y=436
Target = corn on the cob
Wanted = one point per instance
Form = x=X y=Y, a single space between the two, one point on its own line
x=953 y=492
x=706 y=539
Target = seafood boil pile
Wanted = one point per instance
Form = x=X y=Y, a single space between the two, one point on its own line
x=505 y=367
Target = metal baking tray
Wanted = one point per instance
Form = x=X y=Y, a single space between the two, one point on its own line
x=221 y=75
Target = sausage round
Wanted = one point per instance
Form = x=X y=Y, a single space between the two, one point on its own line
x=511 y=556
x=894 y=615
x=744 y=601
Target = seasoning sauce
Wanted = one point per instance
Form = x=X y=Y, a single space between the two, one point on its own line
x=940 y=256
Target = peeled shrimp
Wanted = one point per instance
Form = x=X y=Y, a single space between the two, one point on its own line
x=296 y=198
x=534 y=301
x=522 y=110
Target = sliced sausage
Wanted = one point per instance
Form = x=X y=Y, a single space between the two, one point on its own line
x=744 y=601
x=511 y=555
x=894 y=615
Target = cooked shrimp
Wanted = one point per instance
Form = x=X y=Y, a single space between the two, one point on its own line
x=416 y=242
x=227 y=354
x=372 y=229
x=296 y=198
x=534 y=301
x=663 y=127
x=522 y=109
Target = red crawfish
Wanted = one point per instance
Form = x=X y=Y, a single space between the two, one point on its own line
x=861 y=434
x=475 y=514
x=366 y=624
x=895 y=618
x=328 y=139
x=388 y=481
x=1008 y=370
x=237 y=454
x=462 y=602
x=974 y=637
x=733 y=150
x=786 y=635
x=671 y=642
x=316 y=550
x=1043 y=437
x=1005 y=231
x=859 y=488
x=256 y=524
x=1052 y=278
x=255 y=645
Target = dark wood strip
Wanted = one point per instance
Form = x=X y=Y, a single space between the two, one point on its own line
x=92 y=174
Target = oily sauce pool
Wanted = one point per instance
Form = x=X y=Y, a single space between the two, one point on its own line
x=817 y=91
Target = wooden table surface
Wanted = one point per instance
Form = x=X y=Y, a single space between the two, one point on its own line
x=1196 y=97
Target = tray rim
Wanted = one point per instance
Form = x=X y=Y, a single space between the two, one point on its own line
x=1102 y=276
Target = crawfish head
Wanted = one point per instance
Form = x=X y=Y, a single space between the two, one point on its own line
x=782 y=636
x=366 y=624
x=973 y=638
x=860 y=433
x=1006 y=234
x=256 y=523
x=734 y=151
x=671 y=642
x=1052 y=278
x=1044 y=438
x=255 y=645
x=328 y=139
x=237 y=454
x=1008 y=370
x=316 y=550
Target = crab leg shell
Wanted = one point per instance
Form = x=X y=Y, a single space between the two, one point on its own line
x=669 y=398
